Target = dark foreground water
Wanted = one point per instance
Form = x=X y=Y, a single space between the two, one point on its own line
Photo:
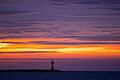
x=59 y=75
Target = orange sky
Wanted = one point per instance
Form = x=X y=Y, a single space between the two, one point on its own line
x=31 y=50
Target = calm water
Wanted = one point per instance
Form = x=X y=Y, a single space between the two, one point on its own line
x=60 y=76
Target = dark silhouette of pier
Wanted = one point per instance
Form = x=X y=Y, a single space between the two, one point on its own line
x=52 y=69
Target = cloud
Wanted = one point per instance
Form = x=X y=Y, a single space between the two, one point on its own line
x=28 y=52
x=87 y=1
x=63 y=43
x=102 y=4
x=74 y=19
x=11 y=42
x=108 y=27
x=115 y=7
x=112 y=30
x=95 y=37
x=101 y=33
x=96 y=2
x=73 y=43
x=11 y=12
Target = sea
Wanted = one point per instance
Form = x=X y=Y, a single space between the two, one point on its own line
x=66 y=75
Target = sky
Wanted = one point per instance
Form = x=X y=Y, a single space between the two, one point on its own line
x=78 y=34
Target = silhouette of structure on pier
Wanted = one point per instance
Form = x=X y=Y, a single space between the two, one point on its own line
x=52 y=65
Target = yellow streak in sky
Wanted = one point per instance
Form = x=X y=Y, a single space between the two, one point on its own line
x=69 y=49
x=80 y=49
x=3 y=45
x=46 y=50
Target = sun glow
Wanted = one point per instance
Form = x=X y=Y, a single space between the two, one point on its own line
x=34 y=50
x=3 y=45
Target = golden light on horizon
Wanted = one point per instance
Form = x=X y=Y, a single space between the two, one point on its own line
x=59 y=51
x=3 y=45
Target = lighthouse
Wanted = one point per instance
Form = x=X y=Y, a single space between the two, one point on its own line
x=52 y=65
